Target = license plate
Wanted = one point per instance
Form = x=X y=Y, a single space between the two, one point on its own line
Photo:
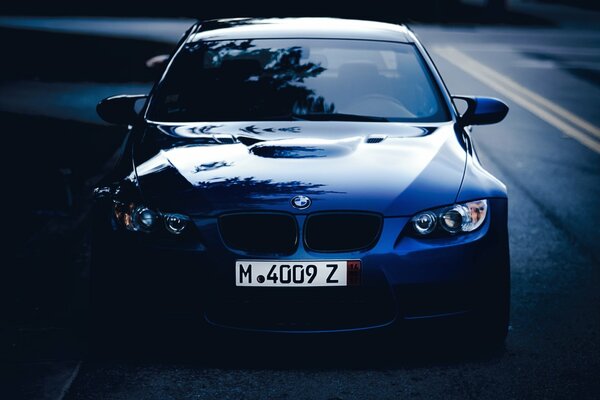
x=297 y=273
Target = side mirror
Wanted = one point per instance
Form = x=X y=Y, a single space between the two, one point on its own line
x=482 y=110
x=119 y=110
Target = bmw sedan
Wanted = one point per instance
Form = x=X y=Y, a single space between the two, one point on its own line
x=302 y=175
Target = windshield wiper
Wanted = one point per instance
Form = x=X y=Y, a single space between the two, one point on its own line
x=325 y=117
x=283 y=117
x=340 y=117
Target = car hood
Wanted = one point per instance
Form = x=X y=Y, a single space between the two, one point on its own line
x=390 y=168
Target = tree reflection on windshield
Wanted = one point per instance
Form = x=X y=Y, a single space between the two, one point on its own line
x=242 y=81
x=297 y=80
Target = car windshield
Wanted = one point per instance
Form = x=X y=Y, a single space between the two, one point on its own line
x=297 y=79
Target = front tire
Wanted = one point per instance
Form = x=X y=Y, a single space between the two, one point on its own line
x=489 y=328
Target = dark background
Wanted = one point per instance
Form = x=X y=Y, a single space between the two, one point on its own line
x=177 y=8
x=56 y=67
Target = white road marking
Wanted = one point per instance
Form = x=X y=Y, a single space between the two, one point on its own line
x=539 y=64
x=537 y=48
x=536 y=104
x=65 y=389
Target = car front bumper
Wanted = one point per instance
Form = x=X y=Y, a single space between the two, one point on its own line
x=403 y=279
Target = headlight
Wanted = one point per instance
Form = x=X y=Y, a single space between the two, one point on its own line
x=424 y=223
x=175 y=223
x=139 y=218
x=143 y=219
x=465 y=217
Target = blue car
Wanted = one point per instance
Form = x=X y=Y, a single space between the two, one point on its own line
x=302 y=175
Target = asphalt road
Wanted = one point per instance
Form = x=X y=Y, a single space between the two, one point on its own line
x=547 y=151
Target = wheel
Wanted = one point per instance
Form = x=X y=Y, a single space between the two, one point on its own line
x=109 y=322
x=489 y=327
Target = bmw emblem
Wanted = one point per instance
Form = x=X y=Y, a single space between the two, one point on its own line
x=301 y=202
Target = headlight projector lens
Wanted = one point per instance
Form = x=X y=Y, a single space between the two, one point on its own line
x=424 y=223
x=175 y=223
x=452 y=219
x=144 y=219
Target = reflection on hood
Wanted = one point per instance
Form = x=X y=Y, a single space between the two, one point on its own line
x=393 y=169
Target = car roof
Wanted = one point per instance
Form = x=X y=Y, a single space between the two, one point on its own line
x=306 y=27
